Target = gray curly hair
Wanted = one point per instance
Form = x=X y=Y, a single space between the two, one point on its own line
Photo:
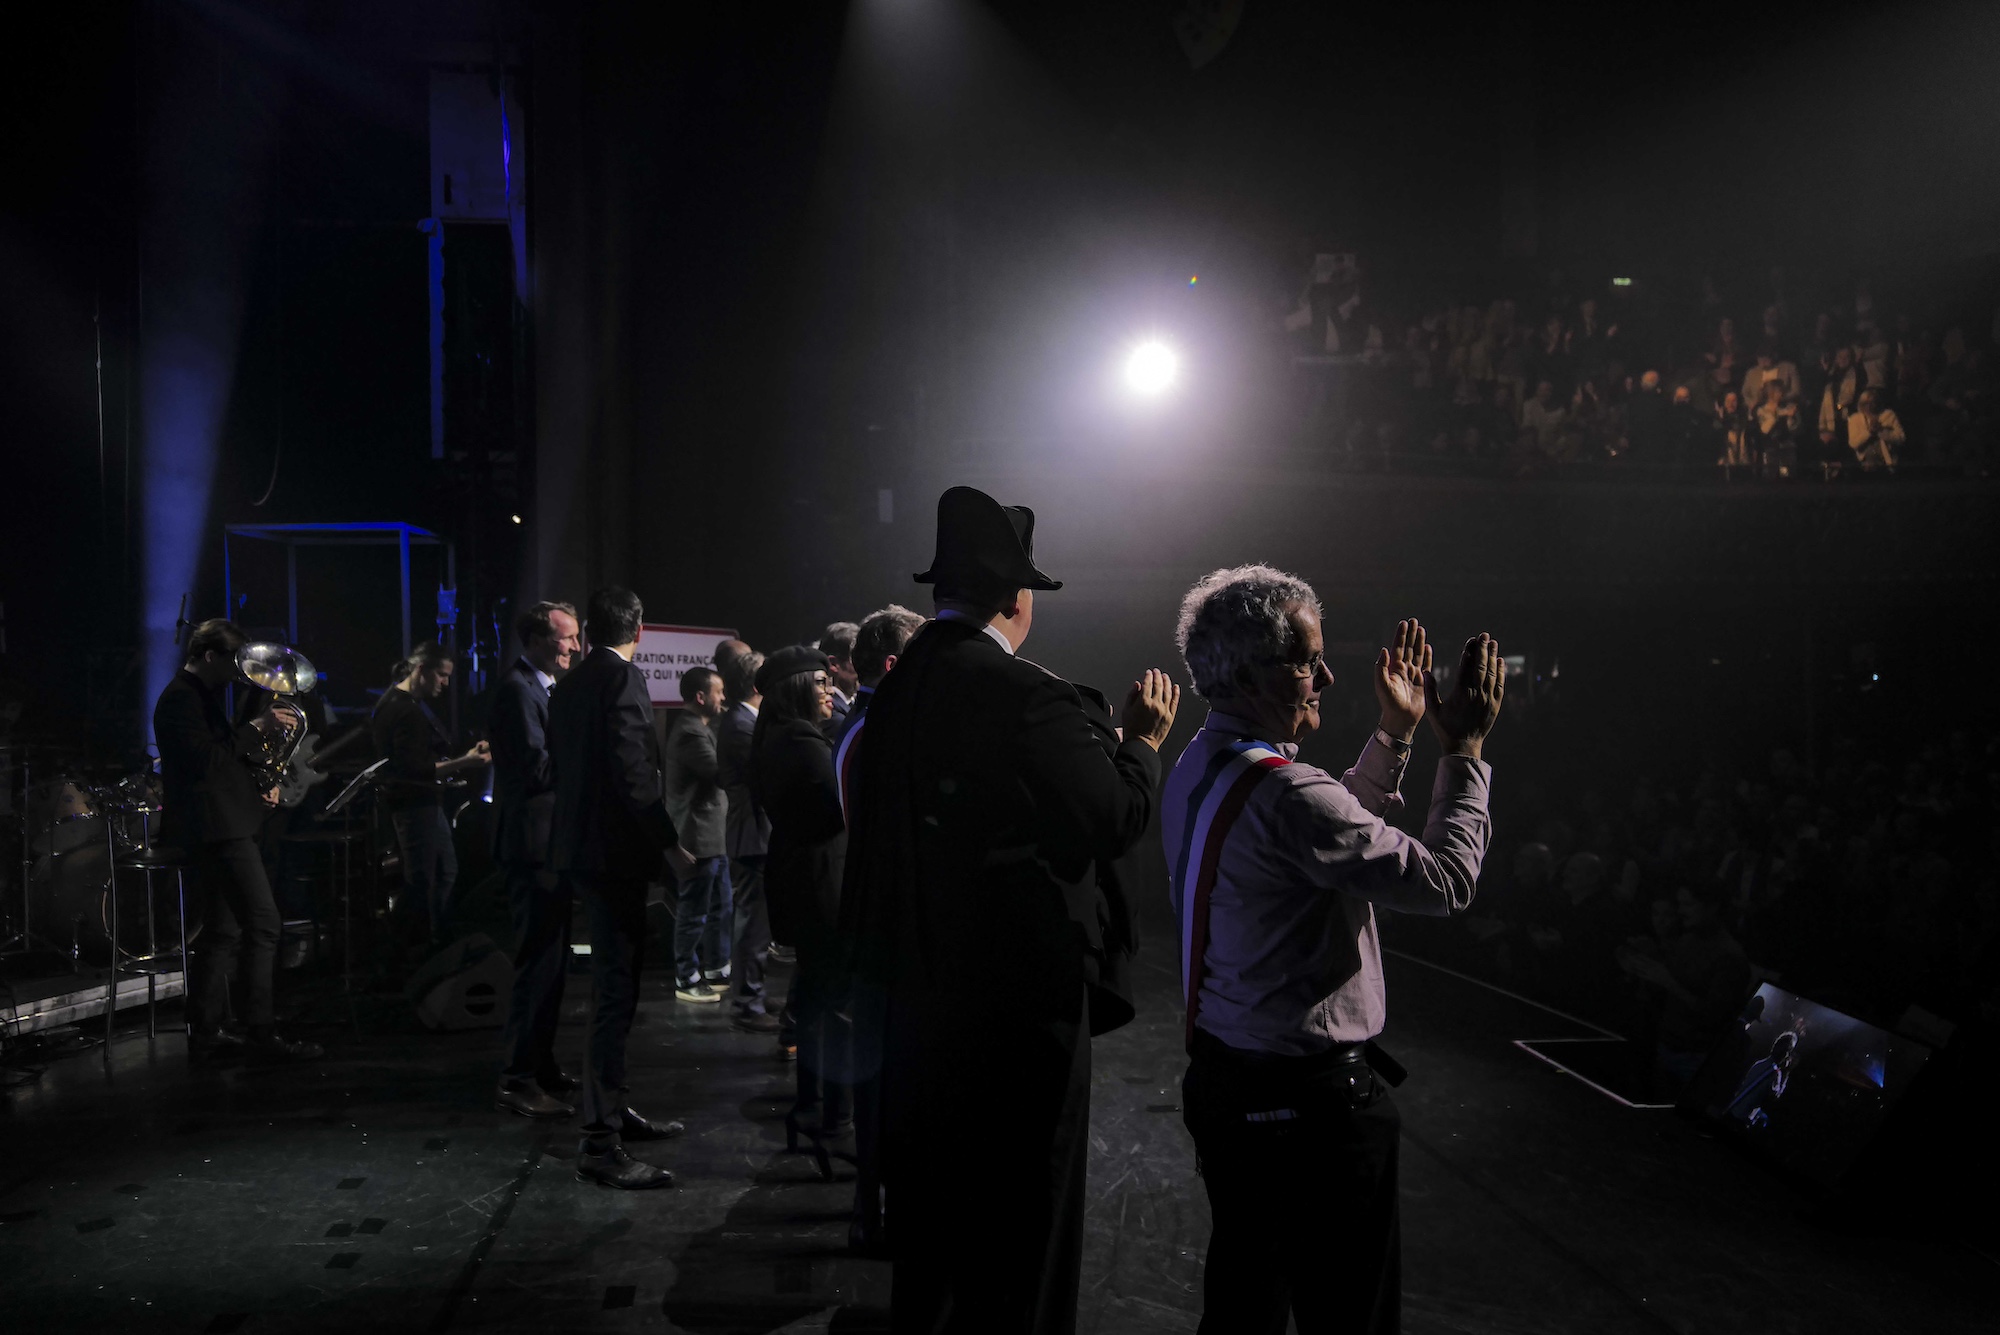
x=1234 y=619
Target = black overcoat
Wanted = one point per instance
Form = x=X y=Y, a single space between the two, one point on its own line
x=984 y=804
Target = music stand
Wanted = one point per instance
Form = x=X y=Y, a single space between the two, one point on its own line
x=338 y=807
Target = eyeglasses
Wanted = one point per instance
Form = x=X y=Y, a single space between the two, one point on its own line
x=1312 y=667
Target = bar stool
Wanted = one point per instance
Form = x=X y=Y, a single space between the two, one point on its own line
x=148 y=860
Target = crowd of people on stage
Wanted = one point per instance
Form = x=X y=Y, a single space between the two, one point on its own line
x=1772 y=383
x=952 y=839
x=1652 y=903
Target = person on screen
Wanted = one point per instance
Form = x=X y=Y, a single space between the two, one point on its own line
x=1765 y=1082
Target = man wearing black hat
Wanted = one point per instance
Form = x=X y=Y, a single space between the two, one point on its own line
x=984 y=801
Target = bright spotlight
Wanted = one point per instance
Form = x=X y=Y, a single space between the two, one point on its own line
x=1151 y=367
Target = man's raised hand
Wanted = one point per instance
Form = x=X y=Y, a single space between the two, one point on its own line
x=1400 y=671
x=1463 y=718
x=1150 y=708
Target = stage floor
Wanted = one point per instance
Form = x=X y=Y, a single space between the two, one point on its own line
x=379 y=1190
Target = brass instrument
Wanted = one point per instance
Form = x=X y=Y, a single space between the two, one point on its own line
x=286 y=674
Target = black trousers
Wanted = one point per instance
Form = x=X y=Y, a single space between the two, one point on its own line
x=617 y=909
x=986 y=1239
x=541 y=907
x=239 y=935
x=750 y=945
x=1299 y=1158
x=824 y=1030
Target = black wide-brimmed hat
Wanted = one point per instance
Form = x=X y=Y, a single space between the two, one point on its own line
x=982 y=544
x=789 y=662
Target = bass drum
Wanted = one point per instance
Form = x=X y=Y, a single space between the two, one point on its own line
x=62 y=816
x=69 y=898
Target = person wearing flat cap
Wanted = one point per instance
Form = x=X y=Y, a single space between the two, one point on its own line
x=792 y=779
x=982 y=808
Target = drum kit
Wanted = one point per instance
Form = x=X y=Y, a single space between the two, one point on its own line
x=74 y=831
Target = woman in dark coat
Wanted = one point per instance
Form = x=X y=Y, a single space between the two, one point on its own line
x=792 y=775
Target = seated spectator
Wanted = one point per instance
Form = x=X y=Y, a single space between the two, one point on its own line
x=1687 y=432
x=1550 y=354
x=1769 y=367
x=1731 y=432
x=1874 y=433
x=1872 y=351
x=1646 y=425
x=1775 y=428
x=1838 y=400
x=1544 y=417
x=1698 y=989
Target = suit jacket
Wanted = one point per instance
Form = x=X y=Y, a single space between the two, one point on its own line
x=695 y=798
x=524 y=778
x=210 y=794
x=984 y=802
x=749 y=829
x=610 y=818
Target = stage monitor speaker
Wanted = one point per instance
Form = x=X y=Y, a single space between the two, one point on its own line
x=463 y=986
x=1803 y=1085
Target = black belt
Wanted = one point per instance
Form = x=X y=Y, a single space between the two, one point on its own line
x=1207 y=1047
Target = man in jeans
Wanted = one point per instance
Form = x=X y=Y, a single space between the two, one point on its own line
x=699 y=807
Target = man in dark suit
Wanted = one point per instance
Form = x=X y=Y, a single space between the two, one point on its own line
x=983 y=801
x=214 y=810
x=746 y=841
x=608 y=835
x=524 y=798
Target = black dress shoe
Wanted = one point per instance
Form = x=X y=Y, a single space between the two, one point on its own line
x=637 y=1127
x=621 y=1170
x=277 y=1048
x=530 y=1101
x=214 y=1045
x=559 y=1082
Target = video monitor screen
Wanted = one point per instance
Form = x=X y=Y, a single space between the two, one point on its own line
x=1802 y=1083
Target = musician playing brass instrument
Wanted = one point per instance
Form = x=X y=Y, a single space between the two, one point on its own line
x=214 y=804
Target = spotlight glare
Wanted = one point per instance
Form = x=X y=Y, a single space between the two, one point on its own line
x=1151 y=368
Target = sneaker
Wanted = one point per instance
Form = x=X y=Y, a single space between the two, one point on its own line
x=699 y=994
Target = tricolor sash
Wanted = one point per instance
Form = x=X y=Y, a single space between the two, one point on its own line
x=1213 y=806
x=843 y=760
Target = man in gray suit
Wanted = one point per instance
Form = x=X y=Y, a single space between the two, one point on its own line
x=696 y=801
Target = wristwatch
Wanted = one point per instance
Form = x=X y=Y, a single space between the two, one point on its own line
x=1396 y=744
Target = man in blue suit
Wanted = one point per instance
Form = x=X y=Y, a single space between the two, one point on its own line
x=532 y=1083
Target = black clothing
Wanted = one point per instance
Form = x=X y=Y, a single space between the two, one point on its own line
x=1304 y=1203
x=789 y=661
x=609 y=832
x=983 y=804
x=406 y=738
x=617 y=909
x=982 y=544
x=207 y=787
x=524 y=778
x=610 y=817
x=239 y=926
x=541 y=909
x=748 y=829
x=791 y=775
x=1111 y=930
x=693 y=773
